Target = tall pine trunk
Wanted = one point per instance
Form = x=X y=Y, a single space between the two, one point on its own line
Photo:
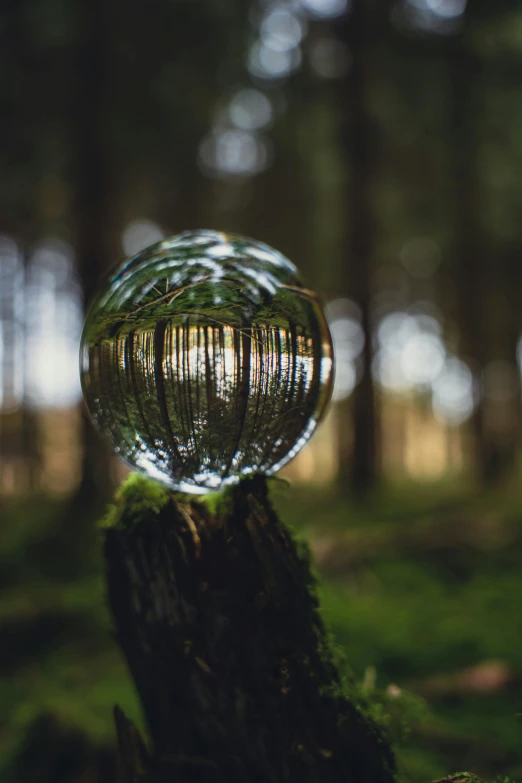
x=92 y=191
x=356 y=142
x=469 y=240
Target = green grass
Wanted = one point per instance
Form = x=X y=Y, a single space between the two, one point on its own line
x=413 y=613
x=402 y=612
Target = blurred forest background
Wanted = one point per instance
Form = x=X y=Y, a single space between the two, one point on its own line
x=378 y=144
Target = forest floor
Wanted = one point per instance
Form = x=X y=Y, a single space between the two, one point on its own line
x=421 y=588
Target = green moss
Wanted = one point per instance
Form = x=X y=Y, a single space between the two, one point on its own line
x=219 y=503
x=461 y=777
x=278 y=482
x=137 y=499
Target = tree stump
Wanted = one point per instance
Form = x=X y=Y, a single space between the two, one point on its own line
x=217 y=616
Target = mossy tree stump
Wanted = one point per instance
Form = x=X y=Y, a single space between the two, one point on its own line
x=218 y=619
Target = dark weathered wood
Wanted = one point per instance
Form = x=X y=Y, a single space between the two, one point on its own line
x=218 y=619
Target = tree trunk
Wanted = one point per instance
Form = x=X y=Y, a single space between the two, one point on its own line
x=218 y=619
x=469 y=241
x=356 y=143
x=92 y=203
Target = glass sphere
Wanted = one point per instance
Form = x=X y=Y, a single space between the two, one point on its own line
x=204 y=359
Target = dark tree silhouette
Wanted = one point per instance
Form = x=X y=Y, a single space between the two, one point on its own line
x=358 y=149
x=93 y=194
x=469 y=241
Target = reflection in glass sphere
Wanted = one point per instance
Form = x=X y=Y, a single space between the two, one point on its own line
x=204 y=359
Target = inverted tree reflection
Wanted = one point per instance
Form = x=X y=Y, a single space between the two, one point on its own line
x=200 y=399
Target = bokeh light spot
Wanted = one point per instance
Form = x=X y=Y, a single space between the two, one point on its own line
x=343 y=317
x=453 y=393
x=233 y=153
x=325 y=9
x=281 y=30
x=268 y=63
x=250 y=110
x=139 y=234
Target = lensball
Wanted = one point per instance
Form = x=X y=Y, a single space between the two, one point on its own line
x=204 y=360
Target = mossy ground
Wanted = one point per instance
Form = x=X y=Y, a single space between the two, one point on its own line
x=401 y=618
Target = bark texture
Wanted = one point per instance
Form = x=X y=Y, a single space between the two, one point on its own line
x=218 y=619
